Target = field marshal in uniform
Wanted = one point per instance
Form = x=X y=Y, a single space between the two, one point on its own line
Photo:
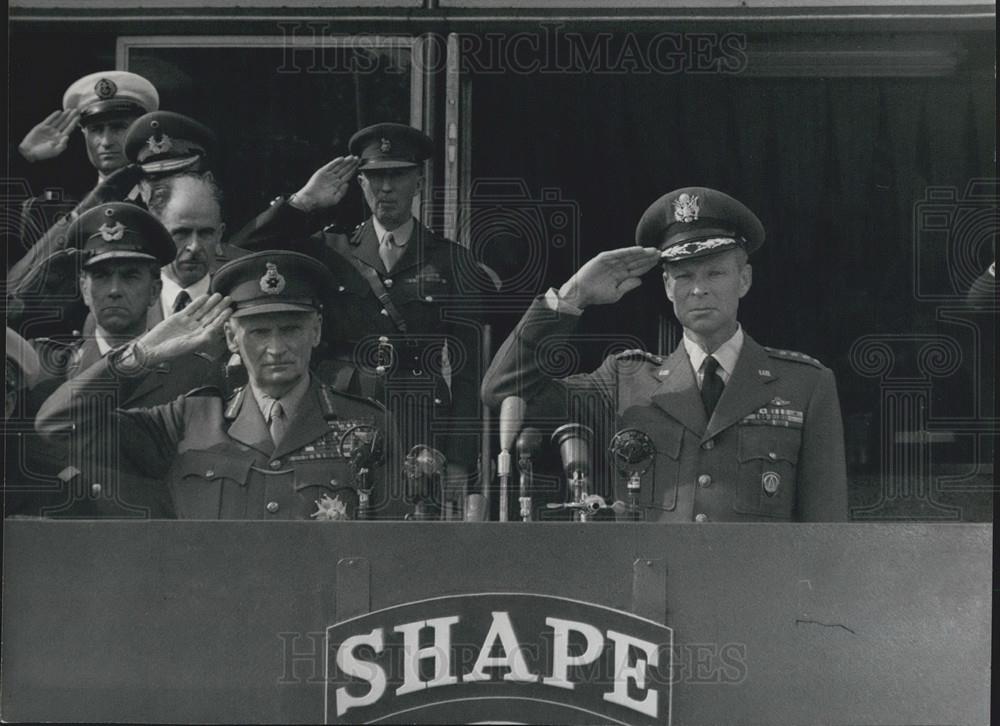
x=285 y=446
x=741 y=432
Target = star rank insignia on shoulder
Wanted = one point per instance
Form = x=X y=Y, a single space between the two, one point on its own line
x=793 y=356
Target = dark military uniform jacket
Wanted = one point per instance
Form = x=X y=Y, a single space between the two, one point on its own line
x=773 y=450
x=124 y=490
x=220 y=463
x=438 y=289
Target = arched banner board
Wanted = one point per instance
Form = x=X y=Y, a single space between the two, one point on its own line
x=499 y=658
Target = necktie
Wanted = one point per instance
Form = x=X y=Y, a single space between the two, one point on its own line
x=181 y=301
x=277 y=422
x=711 y=385
x=389 y=251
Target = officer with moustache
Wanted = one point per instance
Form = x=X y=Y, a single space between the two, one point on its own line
x=741 y=432
x=284 y=447
x=404 y=294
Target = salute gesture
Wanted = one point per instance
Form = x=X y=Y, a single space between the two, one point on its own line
x=607 y=277
x=193 y=328
x=49 y=138
x=328 y=184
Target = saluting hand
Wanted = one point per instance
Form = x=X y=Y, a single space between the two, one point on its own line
x=328 y=184
x=49 y=138
x=193 y=328
x=607 y=277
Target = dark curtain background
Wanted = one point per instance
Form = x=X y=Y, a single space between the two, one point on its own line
x=835 y=168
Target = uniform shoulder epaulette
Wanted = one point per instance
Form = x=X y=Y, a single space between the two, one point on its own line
x=338 y=228
x=329 y=393
x=205 y=391
x=639 y=354
x=794 y=356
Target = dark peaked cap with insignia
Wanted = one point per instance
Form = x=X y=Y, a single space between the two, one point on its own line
x=273 y=282
x=121 y=230
x=390 y=146
x=164 y=142
x=697 y=222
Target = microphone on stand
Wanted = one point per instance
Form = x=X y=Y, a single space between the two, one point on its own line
x=364 y=447
x=529 y=444
x=574 y=449
x=423 y=468
x=633 y=451
x=511 y=417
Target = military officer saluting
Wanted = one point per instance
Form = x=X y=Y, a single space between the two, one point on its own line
x=403 y=292
x=741 y=432
x=285 y=446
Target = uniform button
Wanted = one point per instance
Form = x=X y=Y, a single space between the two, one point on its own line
x=272 y=507
x=388 y=282
x=383 y=311
x=429 y=298
x=437 y=401
x=707 y=446
x=704 y=480
x=701 y=518
x=210 y=473
x=275 y=464
x=95 y=489
x=772 y=456
x=340 y=288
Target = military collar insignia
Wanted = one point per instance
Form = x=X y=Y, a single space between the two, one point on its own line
x=272 y=283
x=329 y=510
x=686 y=208
x=766 y=372
x=111 y=232
x=385 y=146
x=159 y=146
x=105 y=88
x=779 y=401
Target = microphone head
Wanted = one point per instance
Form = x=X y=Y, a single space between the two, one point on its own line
x=529 y=443
x=632 y=450
x=424 y=461
x=574 y=447
x=511 y=417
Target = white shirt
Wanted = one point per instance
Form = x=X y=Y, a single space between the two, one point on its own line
x=400 y=235
x=727 y=355
x=103 y=346
x=170 y=291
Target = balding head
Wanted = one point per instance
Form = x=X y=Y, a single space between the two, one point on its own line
x=190 y=207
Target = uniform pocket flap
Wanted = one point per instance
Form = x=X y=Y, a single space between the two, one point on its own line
x=769 y=444
x=210 y=465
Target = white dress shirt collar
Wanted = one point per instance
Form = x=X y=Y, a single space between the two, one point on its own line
x=727 y=355
x=400 y=235
x=170 y=291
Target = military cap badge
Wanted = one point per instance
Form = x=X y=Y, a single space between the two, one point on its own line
x=105 y=88
x=272 y=282
x=111 y=232
x=385 y=146
x=329 y=510
x=686 y=208
x=159 y=146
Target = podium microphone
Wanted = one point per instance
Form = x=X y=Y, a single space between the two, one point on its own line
x=529 y=443
x=574 y=449
x=511 y=417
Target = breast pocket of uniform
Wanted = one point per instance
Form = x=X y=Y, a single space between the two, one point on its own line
x=765 y=482
x=199 y=478
x=323 y=494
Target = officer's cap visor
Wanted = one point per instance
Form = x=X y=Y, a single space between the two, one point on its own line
x=376 y=164
x=119 y=255
x=108 y=110
x=247 y=309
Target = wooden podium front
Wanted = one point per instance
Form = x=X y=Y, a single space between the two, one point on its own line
x=173 y=621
